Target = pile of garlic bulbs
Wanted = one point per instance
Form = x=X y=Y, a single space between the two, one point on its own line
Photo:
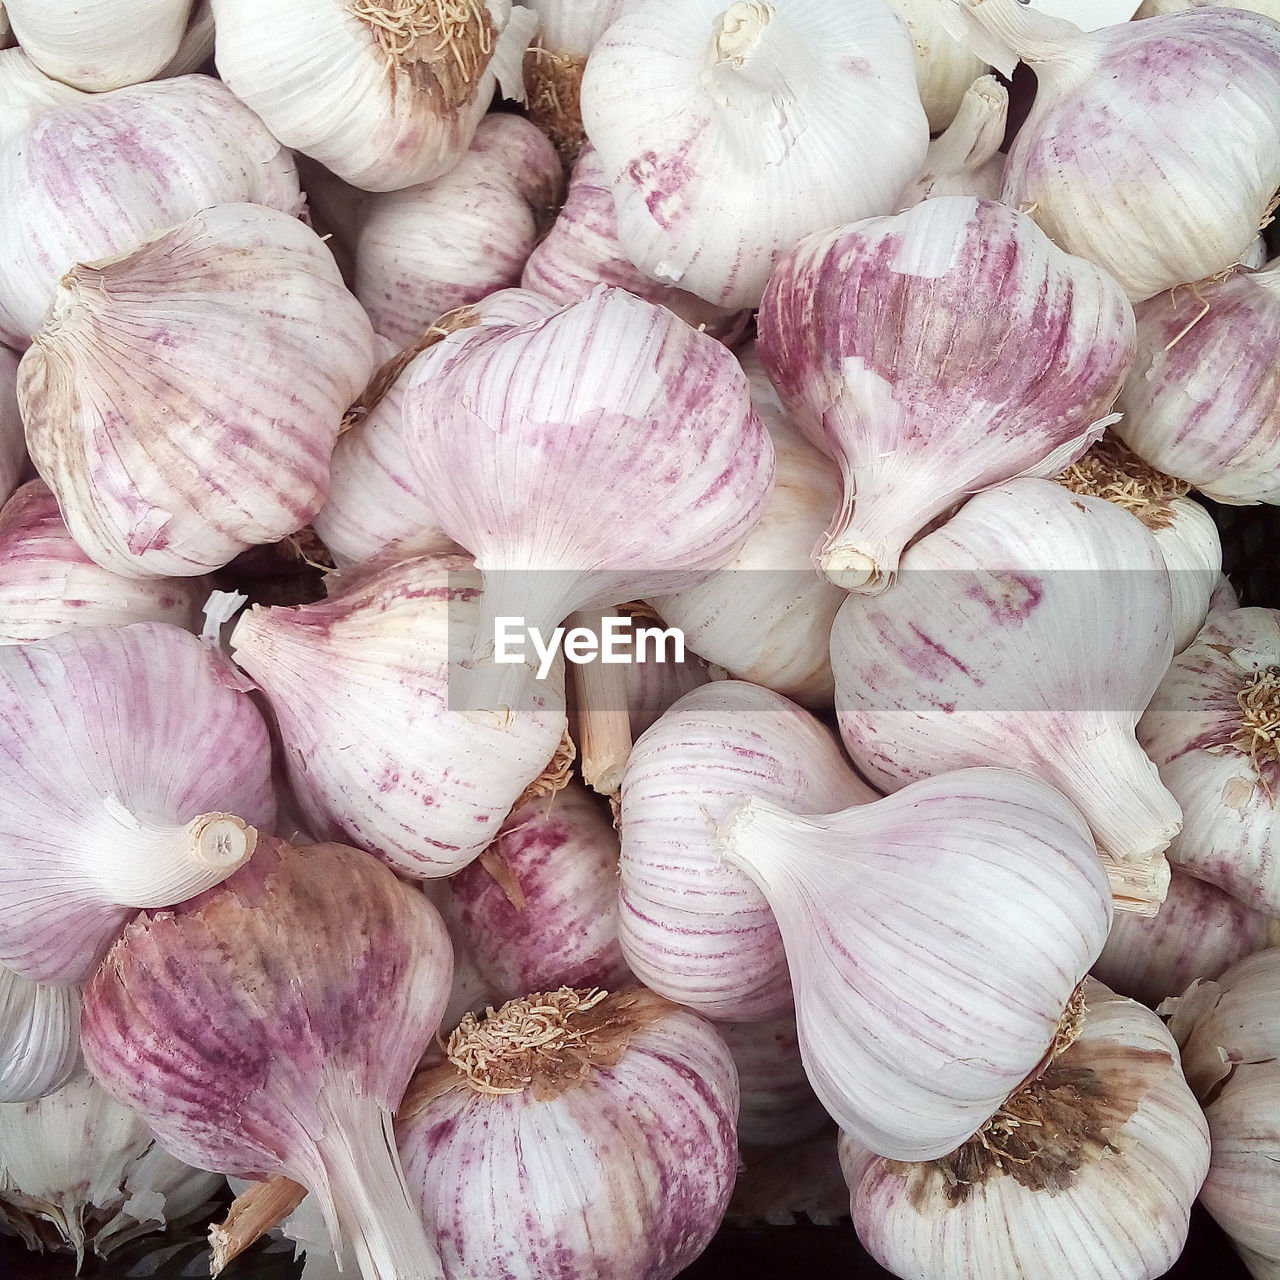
x=570 y=664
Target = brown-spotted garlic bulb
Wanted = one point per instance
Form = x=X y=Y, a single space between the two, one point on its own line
x=226 y=441
x=945 y=65
x=39 y=1036
x=630 y=1104
x=26 y=92
x=965 y=160
x=349 y=971
x=1108 y=1134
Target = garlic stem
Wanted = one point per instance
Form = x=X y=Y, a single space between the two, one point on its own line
x=755 y=51
x=977 y=131
x=604 y=720
x=253 y=1213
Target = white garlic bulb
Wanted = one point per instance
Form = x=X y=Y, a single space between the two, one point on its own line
x=196 y=46
x=202 y=147
x=1109 y=1135
x=385 y=93
x=966 y=159
x=226 y=444
x=870 y=334
x=25 y=91
x=728 y=134
x=39 y=1036
x=1157 y=8
x=1213 y=729
x=427 y=249
x=945 y=66
x=778 y=1104
x=1030 y=630
x=13 y=442
x=1202 y=401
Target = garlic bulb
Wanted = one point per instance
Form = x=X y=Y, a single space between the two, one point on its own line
x=226 y=444
x=360 y=687
x=1202 y=402
x=581 y=251
x=91 y=46
x=385 y=93
x=778 y=1105
x=1224 y=598
x=692 y=927
x=776 y=1184
x=1184 y=531
x=25 y=92
x=1109 y=1136
x=196 y=46
x=1030 y=631
x=629 y=1104
x=202 y=148
x=13 y=444
x=1198 y=932
x=541 y=904
x=1190 y=206
x=654 y=687
x=349 y=972
x=945 y=66
x=966 y=159
x=513 y=429
x=130 y=772
x=39 y=1037
x=48 y=585
x=79 y=1171
x=427 y=249
x=1157 y=8
x=927 y=408
x=728 y=134
x=1213 y=729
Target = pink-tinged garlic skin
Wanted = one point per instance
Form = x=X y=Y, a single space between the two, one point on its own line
x=39 y=1037
x=376 y=751
x=870 y=335
x=1136 y=1199
x=427 y=249
x=101 y=175
x=13 y=442
x=1198 y=932
x=1225 y=598
x=1203 y=400
x=1226 y=780
x=562 y=852
x=225 y=443
x=581 y=251
x=272 y=1025
x=115 y=740
x=1030 y=630
x=778 y=1103
x=26 y=92
x=654 y=687
x=692 y=927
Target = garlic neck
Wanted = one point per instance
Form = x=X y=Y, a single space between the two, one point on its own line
x=755 y=55
x=977 y=131
x=1004 y=32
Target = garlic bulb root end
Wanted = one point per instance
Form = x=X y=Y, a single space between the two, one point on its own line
x=852 y=570
x=222 y=841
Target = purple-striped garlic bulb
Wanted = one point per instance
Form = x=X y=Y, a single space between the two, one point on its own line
x=100 y=175
x=26 y=92
x=778 y=1105
x=935 y=939
x=693 y=927
x=1029 y=631
x=272 y=1026
x=965 y=160
x=378 y=753
x=654 y=687
x=427 y=249
x=629 y=1103
x=870 y=335
x=39 y=1036
x=13 y=441
x=227 y=438
x=1107 y=1134
x=540 y=905
x=131 y=770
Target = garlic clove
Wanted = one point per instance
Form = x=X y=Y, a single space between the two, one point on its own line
x=39 y=1036
x=227 y=442
x=945 y=66
x=965 y=160
x=25 y=92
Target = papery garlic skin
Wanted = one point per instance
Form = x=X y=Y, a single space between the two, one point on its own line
x=1210 y=728
x=132 y=772
x=925 y=410
x=39 y=1036
x=87 y=44
x=25 y=91
x=1203 y=400
x=966 y=159
x=384 y=95
x=13 y=443
x=694 y=928
x=1137 y=1180
x=1031 y=631
x=427 y=249
x=945 y=66
x=79 y=186
x=361 y=687
x=717 y=129
x=226 y=443
x=778 y=1105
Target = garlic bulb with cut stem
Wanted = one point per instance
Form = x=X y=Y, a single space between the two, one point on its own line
x=227 y=440
x=99 y=44
x=14 y=462
x=1190 y=205
x=729 y=133
x=1090 y=1170
x=131 y=772
x=349 y=971
x=966 y=159
x=1213 y=730
x=629 y=1103
x=1028 y=631
x=25 y=92
x=385 y=93
x=1157 y=8
x=99 y=176
x=693 y=927
x=778 y=1105
x=361 y=685
x=870 y=336
x=1203 y=400
x=39 y=1037
x=945 y=66
x=427 y=249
